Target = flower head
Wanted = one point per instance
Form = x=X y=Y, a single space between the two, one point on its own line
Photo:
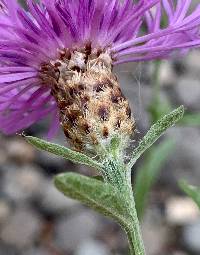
x=48 y=52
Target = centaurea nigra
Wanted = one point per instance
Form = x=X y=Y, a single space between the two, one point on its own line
x=57 y=59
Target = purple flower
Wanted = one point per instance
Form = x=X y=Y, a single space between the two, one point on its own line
x=31 y=39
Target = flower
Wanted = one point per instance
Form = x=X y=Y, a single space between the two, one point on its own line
x=57 y=41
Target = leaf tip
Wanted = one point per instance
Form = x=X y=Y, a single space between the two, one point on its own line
x=29 y=139
x=178 y=113
x=59 y=179
x=181 y=110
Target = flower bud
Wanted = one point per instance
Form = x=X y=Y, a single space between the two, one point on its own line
x=92 y=107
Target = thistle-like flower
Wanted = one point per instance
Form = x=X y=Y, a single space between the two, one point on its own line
x=57 y=59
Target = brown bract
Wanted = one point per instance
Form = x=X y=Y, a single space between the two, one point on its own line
x=92 y=106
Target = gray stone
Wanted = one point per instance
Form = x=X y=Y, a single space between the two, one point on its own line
x=54 y=201
x=192 y=62
x=5 y=210
x=70 y=232
x=7 y=250
x=22 y=229
x=92 y=247
x=179 y=253
x=3 y=155
x=130 y=78
x=19 y=150
x=167 y=75
x=185 y=160
x=22 y=183
x=188 y=90
x=191 y=235
x=129 y=82
x=181 y=210
x=154 y=232
x=36 y=251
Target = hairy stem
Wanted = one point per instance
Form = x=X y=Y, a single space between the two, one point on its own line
x=133 y=231
x=120 y=178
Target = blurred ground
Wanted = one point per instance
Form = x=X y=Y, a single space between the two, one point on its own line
x=35 y=219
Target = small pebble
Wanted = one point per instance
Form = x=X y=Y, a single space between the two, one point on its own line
x=71 y=231
x=188 y=90
x=181 y=210
x=167 y=76
x=22 y=229
x=20 y=151
x=5 y=211
x=191 y=236
x=36 y=251
x=92 y=247
x=54 y=201
x=22 y=183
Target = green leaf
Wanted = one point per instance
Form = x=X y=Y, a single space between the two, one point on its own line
x=155 y=132
x=96 y=194
x=64 y=152
x=149 y=171
x=191 y=119
x=191 y=191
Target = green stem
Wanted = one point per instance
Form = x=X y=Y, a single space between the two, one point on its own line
x=120 y=178
x=133 y=231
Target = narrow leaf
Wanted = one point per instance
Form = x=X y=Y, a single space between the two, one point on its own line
x=64 y=152
x=96 y=194
x=191 y=191
x=148 y=173
x=155 y=132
